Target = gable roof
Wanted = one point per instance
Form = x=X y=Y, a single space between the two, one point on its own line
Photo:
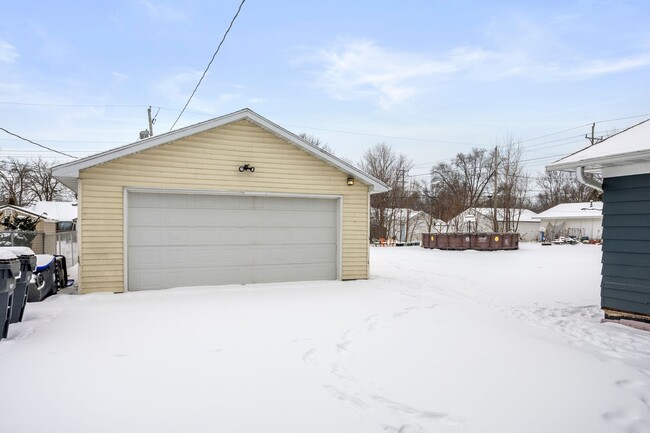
x=629 y=146
x=23 y=210
x=573 y=210
x=522 y=215
x=68 y=173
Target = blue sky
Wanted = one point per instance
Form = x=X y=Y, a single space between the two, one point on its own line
x=430 y=78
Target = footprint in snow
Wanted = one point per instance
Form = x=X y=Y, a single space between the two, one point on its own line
x=346 y=397
x=404 y=311
x=631 y=384
x=309 y=356
x=620 y=417
x=372 y=321
x=343 y=347
x=339 y=371
x=413 y=411
x=346 y=340
x=404 y=428
x=410 y=428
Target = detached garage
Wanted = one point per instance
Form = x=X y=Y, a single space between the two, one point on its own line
x=233 y=200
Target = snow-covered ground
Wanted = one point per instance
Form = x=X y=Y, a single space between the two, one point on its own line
x=436 y=341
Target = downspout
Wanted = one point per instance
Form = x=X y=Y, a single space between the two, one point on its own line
x=590 y=182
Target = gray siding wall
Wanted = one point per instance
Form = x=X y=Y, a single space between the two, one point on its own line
x=625 y=284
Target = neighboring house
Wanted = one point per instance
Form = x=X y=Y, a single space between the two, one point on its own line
x=40 y=243
x=409 y=224
x=44 y=225
x=63 y=212
x=623 y=161
x=578 y=220
x=232 y=200
x=479 y=219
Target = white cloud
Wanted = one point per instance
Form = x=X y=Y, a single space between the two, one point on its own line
x=119 y=78
x=361 y=68
x=611 y=66
x=8 y=53
x=164 y=13
x=178 y=87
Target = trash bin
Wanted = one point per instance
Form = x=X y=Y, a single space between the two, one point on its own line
x=44 y=282
x=425 y=240
x=457 y=241
x=9 y=271
x=61 y=273
x=481 y=241
x=510 y=241
x=27 y=260
x=442 y=241
x=496 y=241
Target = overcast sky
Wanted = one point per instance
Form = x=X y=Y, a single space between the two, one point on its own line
x=431 y=78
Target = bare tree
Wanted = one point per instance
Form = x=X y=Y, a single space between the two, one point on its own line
x=562 y=187
x=512 y=184
x=23 y=182
x=14 y=182
x=316 y=142
x=382 y=162
x=43 y=186
x=461 y=183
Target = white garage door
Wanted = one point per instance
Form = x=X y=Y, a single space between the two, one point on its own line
x=179 y=240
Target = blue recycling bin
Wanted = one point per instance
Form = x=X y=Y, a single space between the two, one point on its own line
x=9 y=271
x=44 y=282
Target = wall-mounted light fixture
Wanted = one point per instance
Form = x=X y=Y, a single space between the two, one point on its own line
x=350 y=181
x=243 y=168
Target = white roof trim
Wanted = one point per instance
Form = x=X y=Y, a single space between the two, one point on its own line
x=68 y=173
x=597 y=164
x=26 y=211
x=630 y=146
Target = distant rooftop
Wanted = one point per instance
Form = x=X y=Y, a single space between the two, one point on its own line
x=523 y=215
x=574 y=210
x=57 y=210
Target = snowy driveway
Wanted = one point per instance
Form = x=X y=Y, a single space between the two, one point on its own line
x=436 y=341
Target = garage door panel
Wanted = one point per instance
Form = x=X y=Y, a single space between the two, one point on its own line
x=188 y=256
x=177 y=237
x=184 y=239
x=150 y=280
x=278 y=273
x=293 y=235
x=292 y=219
x=145 y=258
x=296 y=255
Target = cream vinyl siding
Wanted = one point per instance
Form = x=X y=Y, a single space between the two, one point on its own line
x=209 y=161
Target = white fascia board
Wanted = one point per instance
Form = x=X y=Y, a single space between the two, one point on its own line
x=69 y=172
x=597 y=164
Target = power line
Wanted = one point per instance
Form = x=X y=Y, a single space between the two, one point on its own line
x=71 y=141
x=39 y=145
x=211 y=60
x=427 y=140
x=42 y=104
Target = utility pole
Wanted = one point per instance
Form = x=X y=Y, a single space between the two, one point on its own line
x=150 y=122
x=592 y=139
x=495 y=226
x=401 y=212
